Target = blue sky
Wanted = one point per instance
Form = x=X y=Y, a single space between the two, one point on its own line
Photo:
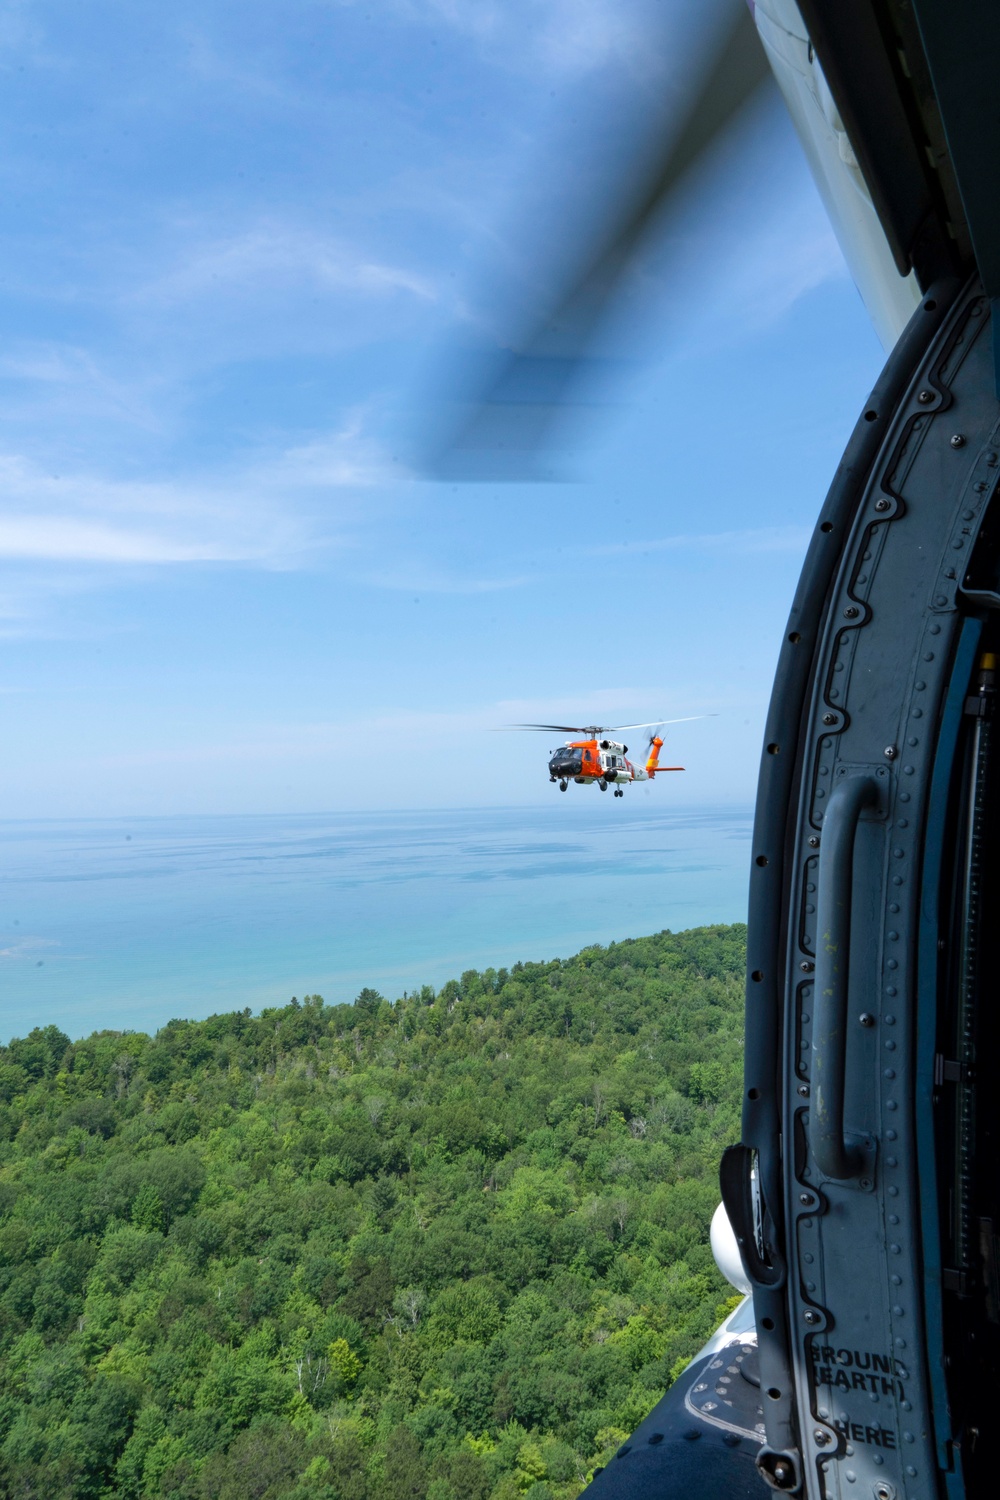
x=236 y=242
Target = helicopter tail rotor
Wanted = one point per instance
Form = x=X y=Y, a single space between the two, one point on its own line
x=653 y=760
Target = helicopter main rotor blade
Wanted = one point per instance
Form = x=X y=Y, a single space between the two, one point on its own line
x=662 y=723
x=506 y=426
x=553 y=728
x=607 y=728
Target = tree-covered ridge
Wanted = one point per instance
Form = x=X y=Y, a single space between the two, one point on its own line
x=453 y=1247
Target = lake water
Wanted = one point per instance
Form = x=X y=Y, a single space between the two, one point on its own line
x=126 y=923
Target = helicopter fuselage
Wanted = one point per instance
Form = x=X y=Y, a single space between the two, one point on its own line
x=603 y=762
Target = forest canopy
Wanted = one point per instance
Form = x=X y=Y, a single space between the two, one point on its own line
x=453 y=1247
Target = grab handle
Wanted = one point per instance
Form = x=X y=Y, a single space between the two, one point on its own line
x=835 y=1156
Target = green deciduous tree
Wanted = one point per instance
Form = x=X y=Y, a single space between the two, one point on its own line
x=451 y=1248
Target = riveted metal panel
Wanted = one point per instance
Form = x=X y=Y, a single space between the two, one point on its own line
x=862 y=1341
x=782 y=871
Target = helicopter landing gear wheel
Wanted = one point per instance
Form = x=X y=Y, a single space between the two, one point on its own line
x=562 y=786
x=603 y=785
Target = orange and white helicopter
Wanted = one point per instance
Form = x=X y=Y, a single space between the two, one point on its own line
x=596 y=758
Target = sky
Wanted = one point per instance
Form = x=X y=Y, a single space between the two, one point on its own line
x=238 y=245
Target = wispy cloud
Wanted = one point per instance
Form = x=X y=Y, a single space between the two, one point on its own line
x=568 y=36
x=278 y=512
x=62 y=385
x=63 y=539
x=424 y=731
x=758 y=230
x=792 y=254
x=274 y=254
x=88 y=518
x=349 y=458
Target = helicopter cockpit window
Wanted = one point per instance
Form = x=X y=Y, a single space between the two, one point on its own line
x=568 y=761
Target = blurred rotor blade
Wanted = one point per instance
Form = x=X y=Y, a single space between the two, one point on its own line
x=553 y=728
x=509 y=404
x=662 y=723
x=608 y=728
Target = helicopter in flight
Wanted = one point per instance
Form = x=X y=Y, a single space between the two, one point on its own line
x=862 y=1204
x=597 y=760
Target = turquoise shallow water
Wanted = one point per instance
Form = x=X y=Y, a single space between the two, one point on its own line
x=126 y=923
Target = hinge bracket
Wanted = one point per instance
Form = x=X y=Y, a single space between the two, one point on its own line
x=946 y=1070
